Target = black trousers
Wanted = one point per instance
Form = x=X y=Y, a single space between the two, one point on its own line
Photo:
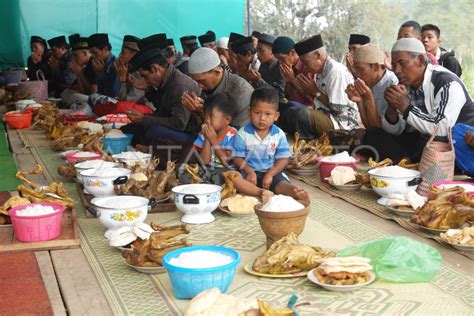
x=395 y=147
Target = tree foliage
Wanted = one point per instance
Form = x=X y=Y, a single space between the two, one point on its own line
x=379 y=19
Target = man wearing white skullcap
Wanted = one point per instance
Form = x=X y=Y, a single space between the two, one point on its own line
x=368 y=89
x=205 y=67
x=428 y=95
x=223 y=52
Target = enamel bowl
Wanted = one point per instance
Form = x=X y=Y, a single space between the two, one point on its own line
x=197 y=202
x=101 y=182
x=385 y=185
x=118 y=211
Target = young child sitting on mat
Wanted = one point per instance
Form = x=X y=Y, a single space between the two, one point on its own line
x=214 y=142
x=261 y=151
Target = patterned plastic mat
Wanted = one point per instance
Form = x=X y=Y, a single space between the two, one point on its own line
x=130 y=292
x=367 y=200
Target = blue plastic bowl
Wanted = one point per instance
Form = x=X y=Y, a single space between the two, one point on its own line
x=187 y=283
x=117 y=145
x=13 y=76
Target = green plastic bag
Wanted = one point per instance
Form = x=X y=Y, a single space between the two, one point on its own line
x=398 y=259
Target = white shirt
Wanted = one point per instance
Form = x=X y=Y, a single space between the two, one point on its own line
x=333 y=81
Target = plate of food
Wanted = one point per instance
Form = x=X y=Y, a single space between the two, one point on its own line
x=343 y=274
x=402 y=210
x=239 y=205
x=288 y=258
x=435 y=231
x=347 y=187
x=148 y=269
x=125 y=248
x=249 y=269
x=461 y=239
x=309 y=170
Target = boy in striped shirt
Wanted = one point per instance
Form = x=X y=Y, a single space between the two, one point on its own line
x=261 y=151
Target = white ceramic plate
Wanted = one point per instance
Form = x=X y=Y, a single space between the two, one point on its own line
x=226 y=210
x=122 y=248
x=348 y=187
x=432 y=230
x=248 y=268
x=148 y=270
x=459 y=247
x=234 y=214
x=305 y=171
x=339 y=288
x=403 y=213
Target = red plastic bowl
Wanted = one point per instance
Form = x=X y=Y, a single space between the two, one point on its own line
x=70 y=119
x=18 y=120
x=325 y=168
x=72 y=159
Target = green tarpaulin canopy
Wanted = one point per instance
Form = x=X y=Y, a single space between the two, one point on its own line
x=19 y=19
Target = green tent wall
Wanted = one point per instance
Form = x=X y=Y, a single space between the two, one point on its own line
x=19 y=19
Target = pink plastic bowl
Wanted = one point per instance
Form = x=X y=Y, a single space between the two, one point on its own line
x=325 y=168
x=37 y=228
x=468 y=186
x=72 y=159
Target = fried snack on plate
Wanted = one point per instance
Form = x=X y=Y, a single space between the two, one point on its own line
x=240 y=204
x=344 y=271
x=463 y=236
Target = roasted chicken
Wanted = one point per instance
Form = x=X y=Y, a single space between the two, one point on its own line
x=288 y=255
x=305 y=152
x=229 y=189
x=450 y=209
x=150 y=252
x=155 y=185
x=35 y=192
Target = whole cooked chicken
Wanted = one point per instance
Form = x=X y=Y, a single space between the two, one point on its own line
x=450 y=209
x=288 y=255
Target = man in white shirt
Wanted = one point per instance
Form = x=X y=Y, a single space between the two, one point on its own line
x=333 y=109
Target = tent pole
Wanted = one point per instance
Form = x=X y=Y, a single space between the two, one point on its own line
x=248 y=18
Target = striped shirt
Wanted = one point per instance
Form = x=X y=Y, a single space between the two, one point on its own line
x=261 y=154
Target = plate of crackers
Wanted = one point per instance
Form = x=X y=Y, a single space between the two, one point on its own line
x=461 y=239
x=343 y=274
x=239 y=205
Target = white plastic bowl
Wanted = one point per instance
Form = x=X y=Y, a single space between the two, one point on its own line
x=197 y=202
x=28 y=103
x=120 y=211
x=102 y=185
x=384 y=185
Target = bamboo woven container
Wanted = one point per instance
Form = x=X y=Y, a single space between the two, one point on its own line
x=276 y=225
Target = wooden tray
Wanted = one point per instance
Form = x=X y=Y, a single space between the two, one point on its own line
x=69 y=237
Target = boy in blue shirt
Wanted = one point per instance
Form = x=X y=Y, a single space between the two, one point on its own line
x=261 y=151
x=214 y=142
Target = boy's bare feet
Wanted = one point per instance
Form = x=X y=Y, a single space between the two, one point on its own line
x=142 y=148
x=266 y=195
x=301 y=194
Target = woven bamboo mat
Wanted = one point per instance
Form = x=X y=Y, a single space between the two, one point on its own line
x=32 y=137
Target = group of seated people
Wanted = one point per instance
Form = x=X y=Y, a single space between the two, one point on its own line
x=233 y=99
